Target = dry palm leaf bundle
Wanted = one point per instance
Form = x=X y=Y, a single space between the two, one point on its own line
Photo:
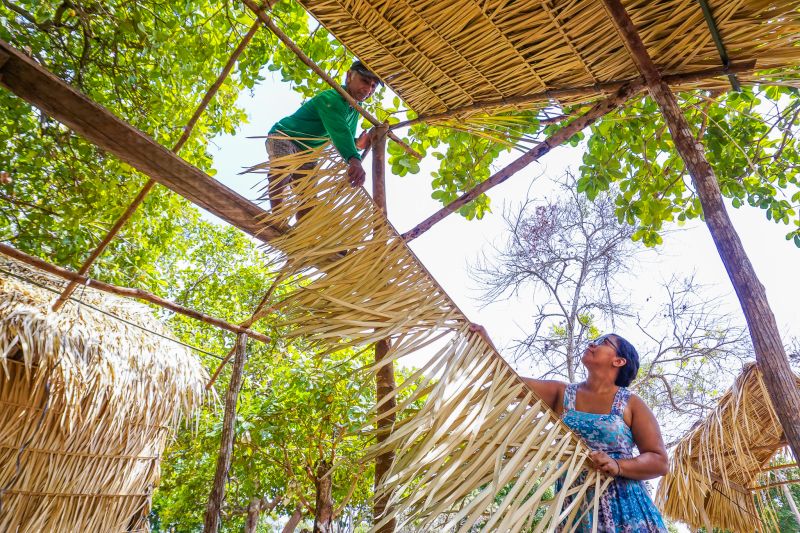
x=483 y=450
x=89 y=397
x=450 y=56
x=717 y=468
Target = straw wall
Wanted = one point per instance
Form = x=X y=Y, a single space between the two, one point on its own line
x=716 y=468
x=87 y=405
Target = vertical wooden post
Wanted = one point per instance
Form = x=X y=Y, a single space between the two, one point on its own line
x=217 y=496
x=385 y=377
x=770 y=352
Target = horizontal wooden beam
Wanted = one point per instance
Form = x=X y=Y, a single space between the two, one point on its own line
x=34 y=84
x=562 y=135
x=565 y=92
x=138 y=294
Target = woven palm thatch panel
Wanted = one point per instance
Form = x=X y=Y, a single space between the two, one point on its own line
x=439 y=55
x=474 y=446
x=87 y=402
x=715 y=469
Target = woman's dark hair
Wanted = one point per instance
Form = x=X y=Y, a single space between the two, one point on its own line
x=628 y=372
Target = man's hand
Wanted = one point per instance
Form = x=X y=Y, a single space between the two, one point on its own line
x=606 y=464
x=364 y=140
x=355 y=173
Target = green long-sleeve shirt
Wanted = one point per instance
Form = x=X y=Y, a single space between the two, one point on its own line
x=326 y=116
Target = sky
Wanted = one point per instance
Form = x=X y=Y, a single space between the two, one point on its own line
x=452 y=245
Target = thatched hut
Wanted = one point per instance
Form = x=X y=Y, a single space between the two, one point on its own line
x=719 y=470
x=89 y=396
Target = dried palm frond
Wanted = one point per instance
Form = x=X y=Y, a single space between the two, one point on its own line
x=446 y=55
x=483 y=450
x=88 y=401
x=715 y=469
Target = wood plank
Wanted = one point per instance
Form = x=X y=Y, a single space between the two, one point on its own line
x=34 y=84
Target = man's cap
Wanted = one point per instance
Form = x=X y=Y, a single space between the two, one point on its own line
x=359 y=67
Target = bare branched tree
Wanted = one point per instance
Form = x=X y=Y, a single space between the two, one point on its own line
x=565 y=254
x=693 y=352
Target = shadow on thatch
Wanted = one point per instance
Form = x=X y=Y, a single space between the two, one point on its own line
x=90 y=400
x=717 y=468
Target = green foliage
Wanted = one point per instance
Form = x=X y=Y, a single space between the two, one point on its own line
x=465 y=153
x=294 y=411
x=749 y=139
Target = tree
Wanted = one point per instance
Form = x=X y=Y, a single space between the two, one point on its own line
x=692 y=350
x=750 y=138
x=569 y=252
x=295 y=422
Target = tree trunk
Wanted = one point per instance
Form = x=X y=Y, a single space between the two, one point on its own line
x=295 y=519
x=385 y=382
x=323 y=518
x=769 y=349
x=253 y=514
x=254 y=510
x=217 y=496
x=787 y=493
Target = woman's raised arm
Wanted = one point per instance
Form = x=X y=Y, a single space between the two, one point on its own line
x=551 y=392
x=652 y=460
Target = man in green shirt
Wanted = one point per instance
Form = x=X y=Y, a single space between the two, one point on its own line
x=327 y=116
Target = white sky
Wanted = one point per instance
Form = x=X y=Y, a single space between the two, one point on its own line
x=450 y=246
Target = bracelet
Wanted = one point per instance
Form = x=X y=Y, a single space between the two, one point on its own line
x=619 y=468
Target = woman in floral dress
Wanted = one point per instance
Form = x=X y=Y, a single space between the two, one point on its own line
x=612 y=420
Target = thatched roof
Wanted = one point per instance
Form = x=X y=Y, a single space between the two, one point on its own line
x=440 y=55
x=717 y=468
x=110 y=390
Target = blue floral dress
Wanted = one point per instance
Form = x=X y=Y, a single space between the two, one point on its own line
x=625 y=507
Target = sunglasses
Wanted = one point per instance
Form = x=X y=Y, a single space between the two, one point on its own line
x=606 y=339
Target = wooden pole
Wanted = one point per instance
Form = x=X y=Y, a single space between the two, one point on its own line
x=324 y=75
x=623 y=94
x=385 y=380
x=769 y=349
x=127 y=292
x=563 y=92
x=31 y=82
x=187 y=131
x=217 y=496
